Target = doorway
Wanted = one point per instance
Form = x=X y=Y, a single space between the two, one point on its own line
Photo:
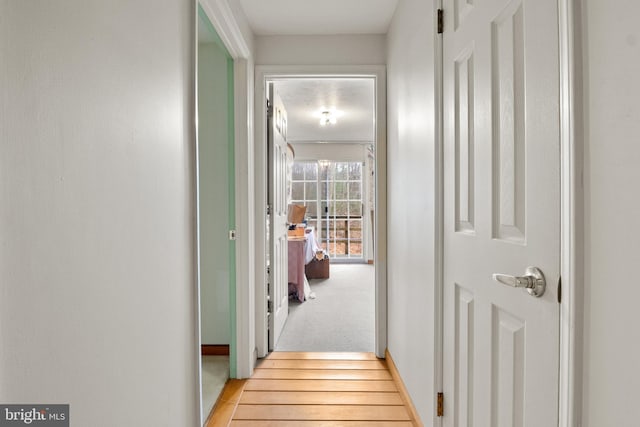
x=216 y=212
x=326 y=127
x=315 y=176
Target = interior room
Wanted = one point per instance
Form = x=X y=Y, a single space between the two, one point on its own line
x=331 y=165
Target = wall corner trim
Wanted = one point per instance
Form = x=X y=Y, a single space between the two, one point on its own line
x=225 y=24
x=404 y=393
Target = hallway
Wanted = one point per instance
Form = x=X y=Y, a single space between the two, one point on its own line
x=313 y=389
x=100 y=198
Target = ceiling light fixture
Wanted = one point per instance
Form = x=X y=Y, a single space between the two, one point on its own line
x=327 y=117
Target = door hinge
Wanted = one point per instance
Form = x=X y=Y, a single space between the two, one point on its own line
x=560 y=290
x=440 y=405
x=232 y=234
x=268 y=209
x=269 y=108
x=440 y=21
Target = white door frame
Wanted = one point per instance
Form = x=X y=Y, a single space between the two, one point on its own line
x=276 y=72
x=224 y=22
x=571 y=213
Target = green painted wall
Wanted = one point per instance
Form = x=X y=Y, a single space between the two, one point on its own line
x=216 y=189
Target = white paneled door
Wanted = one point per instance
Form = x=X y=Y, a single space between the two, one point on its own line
x=278 y=291
x=501 y=215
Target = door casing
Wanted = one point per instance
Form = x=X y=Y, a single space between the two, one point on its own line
x=272 y=73
x=221 y=17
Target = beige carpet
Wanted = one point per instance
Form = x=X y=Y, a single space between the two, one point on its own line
x=340 y=318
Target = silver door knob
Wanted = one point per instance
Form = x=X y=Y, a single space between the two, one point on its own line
x=533 y=281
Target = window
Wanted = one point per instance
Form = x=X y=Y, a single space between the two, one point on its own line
x=304 y=189
x=332 y=192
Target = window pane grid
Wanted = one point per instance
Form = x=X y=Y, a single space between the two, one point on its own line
x=332 y=192
x=343 y=223
x=305 y=189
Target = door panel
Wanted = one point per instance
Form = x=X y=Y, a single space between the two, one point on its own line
x=501 y=213
x=278 y=270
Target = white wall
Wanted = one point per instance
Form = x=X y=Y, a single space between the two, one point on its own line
x=612 y=205
x=325 y=50
x=97 y=283
x=411 y=197
x=338 y=152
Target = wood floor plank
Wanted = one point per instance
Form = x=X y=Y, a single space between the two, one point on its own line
x=321 y=374
x=319 y=398
x=293 y=389
x=321 y=385
x=281 y=423
x=322 y=364
x=297 y=355
x=321 y=412
x=222 y=411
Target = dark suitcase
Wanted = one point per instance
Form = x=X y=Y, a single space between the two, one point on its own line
x=317 y=269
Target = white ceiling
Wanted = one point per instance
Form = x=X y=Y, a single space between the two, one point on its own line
x=304 y=99
x=319 y=17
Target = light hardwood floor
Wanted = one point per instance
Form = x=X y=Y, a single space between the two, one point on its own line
x=314 y=389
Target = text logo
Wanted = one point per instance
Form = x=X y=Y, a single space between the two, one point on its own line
x=34 y=415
